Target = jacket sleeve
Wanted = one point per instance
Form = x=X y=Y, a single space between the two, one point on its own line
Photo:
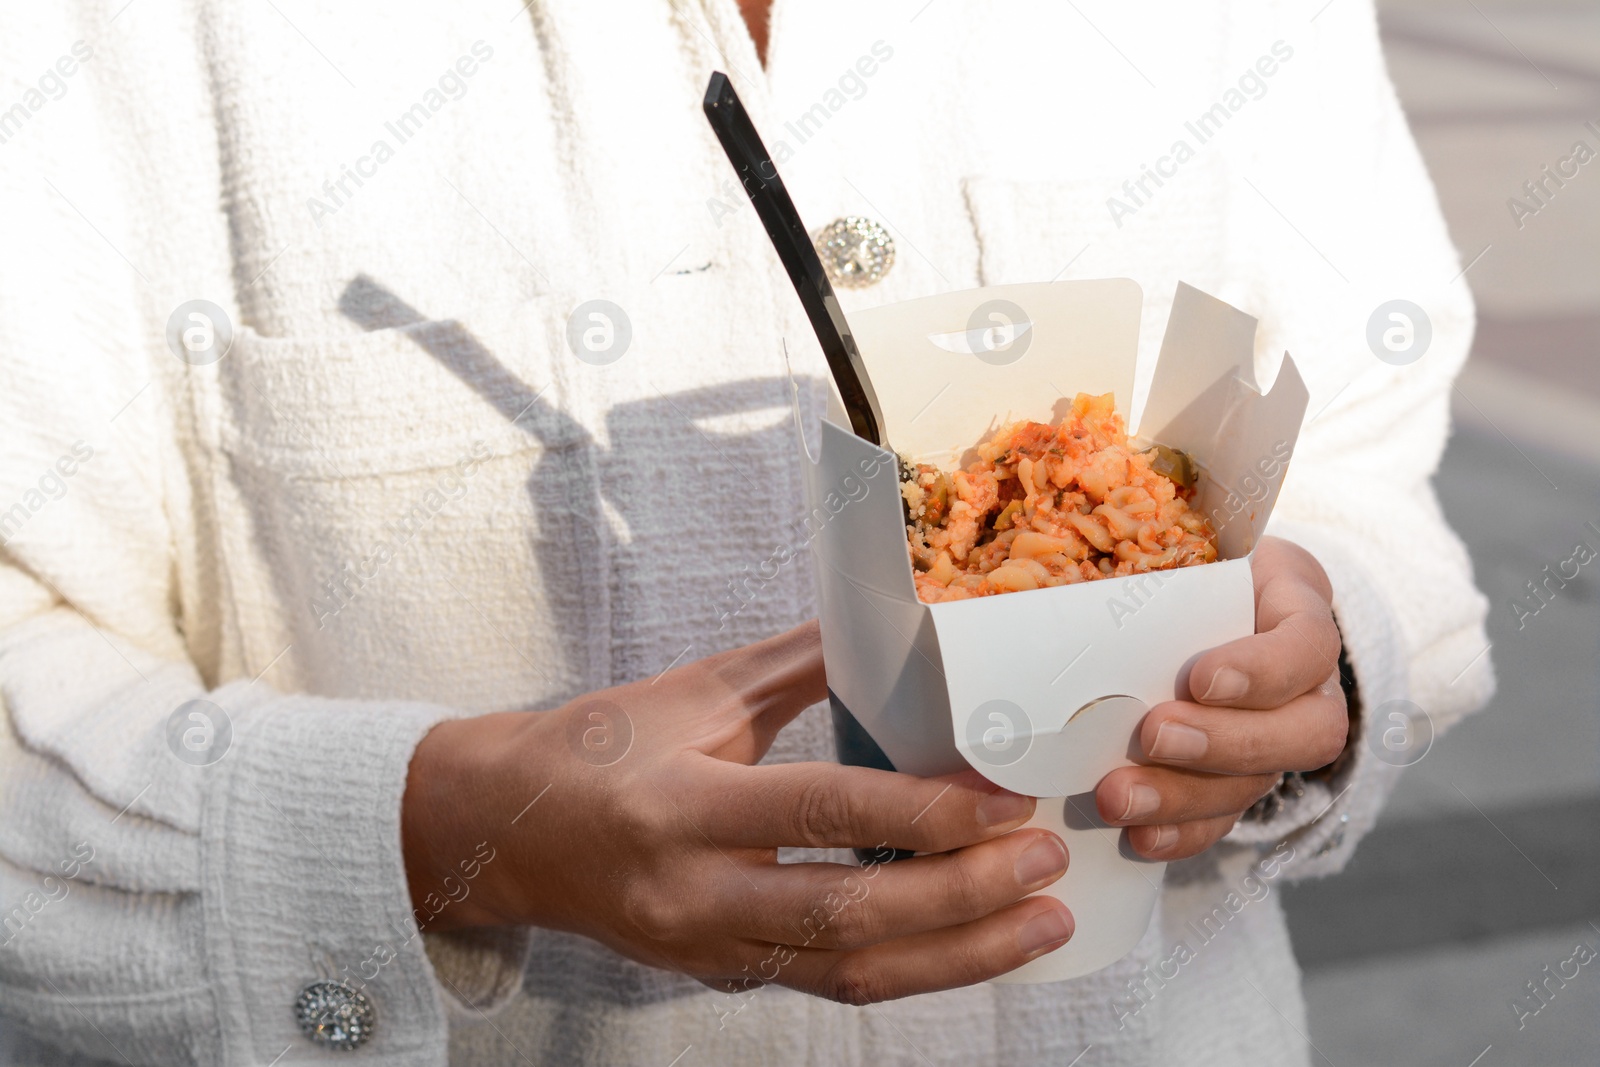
x=179 y=855
x=1350 y=222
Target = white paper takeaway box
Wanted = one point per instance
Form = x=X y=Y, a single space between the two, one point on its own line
x=1041 y=691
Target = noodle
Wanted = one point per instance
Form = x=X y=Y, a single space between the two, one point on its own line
x=1051 y=505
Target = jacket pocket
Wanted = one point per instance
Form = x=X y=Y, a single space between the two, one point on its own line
x=413 y=510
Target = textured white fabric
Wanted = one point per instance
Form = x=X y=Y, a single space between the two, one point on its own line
x=399 y=497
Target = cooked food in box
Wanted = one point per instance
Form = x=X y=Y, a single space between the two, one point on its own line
x=1053 y=505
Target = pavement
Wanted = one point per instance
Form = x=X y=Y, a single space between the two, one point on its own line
x=1483 y=877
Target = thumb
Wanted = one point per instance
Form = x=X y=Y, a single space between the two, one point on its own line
x=769 y=684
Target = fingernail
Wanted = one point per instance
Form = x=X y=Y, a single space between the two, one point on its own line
x=1226 y=684
x=1142 y=800
x=1052 y=929
x=1175 y=740
x=1044 y=860
x=997 y=809
x=1166 y=837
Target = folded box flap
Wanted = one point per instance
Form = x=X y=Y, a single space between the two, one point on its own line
x=1047 y=688
x=854 y=518
x=1204 y=400
x=951 y=368
x=878 y=642
x=1207 y=342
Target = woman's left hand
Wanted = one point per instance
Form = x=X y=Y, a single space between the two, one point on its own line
x=1262 y=705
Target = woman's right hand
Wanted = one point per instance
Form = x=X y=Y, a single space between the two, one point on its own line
x=655 y=834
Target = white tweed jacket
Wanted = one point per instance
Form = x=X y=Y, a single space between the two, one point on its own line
x=398 y=496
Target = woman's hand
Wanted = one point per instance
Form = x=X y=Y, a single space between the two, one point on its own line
x=1266 y=704
x=653 y=833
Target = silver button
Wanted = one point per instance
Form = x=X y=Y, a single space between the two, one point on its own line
x=334 y=1015
x=855 y=251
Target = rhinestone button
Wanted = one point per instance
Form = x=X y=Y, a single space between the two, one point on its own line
x=334 y=1015
x=855 y=251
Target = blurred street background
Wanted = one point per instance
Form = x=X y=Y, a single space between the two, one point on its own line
x=1485 y=870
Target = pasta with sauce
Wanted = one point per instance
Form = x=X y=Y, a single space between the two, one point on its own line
x=1053 y=505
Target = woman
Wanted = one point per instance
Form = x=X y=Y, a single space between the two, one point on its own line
x=485 y=409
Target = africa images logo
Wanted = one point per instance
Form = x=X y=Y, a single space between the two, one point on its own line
x=199 y=733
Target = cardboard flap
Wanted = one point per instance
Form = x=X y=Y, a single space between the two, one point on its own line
x=1021 y=667
x=880 y=648
x=1207 y=341
x=951 y=368
x=854 y=513
x=1248 y=457
x=1204 y=400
